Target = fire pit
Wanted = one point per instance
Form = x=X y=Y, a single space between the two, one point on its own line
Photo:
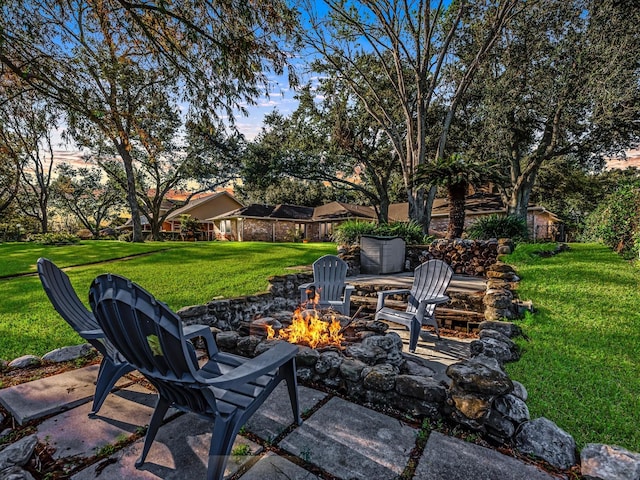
x=358 y=357
x=308 y=328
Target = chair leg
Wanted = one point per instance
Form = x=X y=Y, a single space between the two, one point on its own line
x=414 y=333
x=108 y=375
x=156 y=420
x=222 y=436
x=289 y=373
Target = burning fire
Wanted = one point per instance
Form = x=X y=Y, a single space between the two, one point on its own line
x=307 y=328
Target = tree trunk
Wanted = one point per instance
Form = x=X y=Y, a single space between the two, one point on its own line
x=383 y=209
x=518 y=200
x=131 y=193
x=457 y=204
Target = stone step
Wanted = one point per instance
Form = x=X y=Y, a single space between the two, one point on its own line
x=449 y=458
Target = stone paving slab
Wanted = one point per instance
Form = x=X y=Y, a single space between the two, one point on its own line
x=73 y=433
x=273 y=467
x=180 y=451
x=275 y=414
x=449 y=458
x=352 y=442
x=36 y=399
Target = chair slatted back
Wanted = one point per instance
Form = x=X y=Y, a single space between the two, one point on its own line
x=65 y=300
x=149 y=335
x=63 y=297
x=329 y=274
x=430 y=279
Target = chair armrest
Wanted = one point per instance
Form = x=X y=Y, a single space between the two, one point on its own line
x=430 y=301
x=435 y=300
x=195 y=330
x=199 y=330
x=91 y=334
x=382 y=295
x=253 y=368
x=303 y=292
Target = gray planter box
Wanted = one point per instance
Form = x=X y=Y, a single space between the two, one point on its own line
x=381 y=254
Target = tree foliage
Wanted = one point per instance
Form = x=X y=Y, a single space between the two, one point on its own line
x=561 y=81
x=25 y=136
x=82 y=192
x=329 y=142
x=616 y=221
x=101 y=59
x=456 y=174
x=407 y=46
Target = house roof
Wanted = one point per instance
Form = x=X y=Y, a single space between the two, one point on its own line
x=477 y=204
x=280 y=211
x=343 y=210
x=196 y=201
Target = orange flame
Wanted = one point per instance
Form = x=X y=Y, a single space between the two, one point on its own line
x=308 y=329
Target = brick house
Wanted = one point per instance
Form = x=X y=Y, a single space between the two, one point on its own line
x=286 y=223
x=542 y=224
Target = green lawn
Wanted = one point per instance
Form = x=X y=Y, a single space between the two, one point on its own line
x=178 y=273
x=581 y=363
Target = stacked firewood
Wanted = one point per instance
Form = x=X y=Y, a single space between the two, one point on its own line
x=469 y=257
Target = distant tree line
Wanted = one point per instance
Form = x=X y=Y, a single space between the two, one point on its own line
x=412 y=97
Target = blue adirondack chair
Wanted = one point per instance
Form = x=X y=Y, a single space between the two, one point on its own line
x=228 y=389
x=64 y=299
x=329 y=274
x=430 y=281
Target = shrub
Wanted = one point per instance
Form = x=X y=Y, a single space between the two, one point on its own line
x=615 y=222
x=499 y=226
x=54 y=238
x=411 y=231
x=350 y=232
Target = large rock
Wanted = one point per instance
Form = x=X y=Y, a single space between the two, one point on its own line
x=18 y=453
x=512 y=408
x=604 y=462
x=15 y=473
x=351 y=369
x=491 y=347
x=193 y=311
x=381 y=378
x=367 y=354
x=329 y=363
x=423 y=388
x=306 y=356
x=66 y=354
x=25 y=361
x=506 y=328
x=472 y=407
x=227 y=340
x=544 y=439
x=496 y=335
x=247 y=345
x=476 y=377
x=498 y=298
x=520 y=391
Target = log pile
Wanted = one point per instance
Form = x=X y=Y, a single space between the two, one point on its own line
x=467 y=257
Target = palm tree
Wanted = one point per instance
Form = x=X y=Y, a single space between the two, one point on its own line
x=456 y=174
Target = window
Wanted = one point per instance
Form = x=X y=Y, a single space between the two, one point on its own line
x=326 y=230
x=225 y=226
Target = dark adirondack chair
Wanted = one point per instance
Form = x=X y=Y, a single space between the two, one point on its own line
x=329 y=274
x=58 y=288
x=228 y=389
x=430 y=281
